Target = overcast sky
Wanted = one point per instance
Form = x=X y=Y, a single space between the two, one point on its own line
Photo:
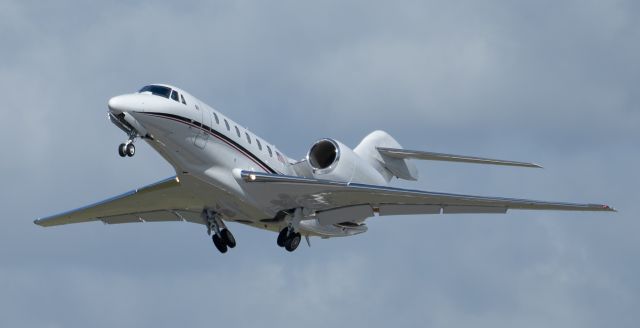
x=553 y=82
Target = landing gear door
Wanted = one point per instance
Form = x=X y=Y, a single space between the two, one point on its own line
x=202 y=136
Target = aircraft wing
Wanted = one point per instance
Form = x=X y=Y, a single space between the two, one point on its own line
x=165 y=200
x=286 y=192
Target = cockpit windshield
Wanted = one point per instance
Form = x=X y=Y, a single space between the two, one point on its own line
x=157 y=90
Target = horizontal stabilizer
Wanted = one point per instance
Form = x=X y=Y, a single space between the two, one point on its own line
x=423 y=155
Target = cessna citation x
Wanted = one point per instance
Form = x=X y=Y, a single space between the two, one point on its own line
x=225 y=173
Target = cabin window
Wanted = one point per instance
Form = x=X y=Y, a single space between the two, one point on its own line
x=183 y=101
x=269 y=150
x=216 y=117
x=174 y=95
x=237 y=131
x=248 y=137
x=227 y=124
x=258 y=143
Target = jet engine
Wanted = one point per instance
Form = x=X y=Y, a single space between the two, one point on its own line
x=332 y=160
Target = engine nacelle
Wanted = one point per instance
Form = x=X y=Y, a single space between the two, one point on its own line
x=332 y=160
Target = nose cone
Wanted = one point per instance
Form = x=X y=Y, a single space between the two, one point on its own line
x=124 y=103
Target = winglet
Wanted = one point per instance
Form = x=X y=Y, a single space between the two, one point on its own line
x=608 y=208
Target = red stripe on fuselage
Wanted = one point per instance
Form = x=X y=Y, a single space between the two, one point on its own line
x=240 y=150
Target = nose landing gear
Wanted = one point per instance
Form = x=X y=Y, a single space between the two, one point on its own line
x=127 y=148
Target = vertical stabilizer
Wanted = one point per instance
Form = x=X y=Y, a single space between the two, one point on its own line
x=387 y=166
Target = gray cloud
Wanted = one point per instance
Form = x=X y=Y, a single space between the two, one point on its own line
x=554 y=82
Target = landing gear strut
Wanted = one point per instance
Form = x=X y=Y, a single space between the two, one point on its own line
x=222 y=238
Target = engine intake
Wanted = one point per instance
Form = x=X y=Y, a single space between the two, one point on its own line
x=323 y=155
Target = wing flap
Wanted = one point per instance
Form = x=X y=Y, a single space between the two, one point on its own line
x=160 y=216
x=118 y=219
x=389 y=209
x=474 y=209
x=154 y=216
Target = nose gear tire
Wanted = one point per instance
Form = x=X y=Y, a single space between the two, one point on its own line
x=122 y=150
x=130 y=150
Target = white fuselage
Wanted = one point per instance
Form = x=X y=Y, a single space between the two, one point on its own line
x=200 y=142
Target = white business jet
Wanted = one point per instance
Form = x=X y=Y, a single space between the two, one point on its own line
x=225 y=173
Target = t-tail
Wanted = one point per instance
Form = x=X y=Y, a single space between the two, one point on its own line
x=390 y=159
x=376 y=160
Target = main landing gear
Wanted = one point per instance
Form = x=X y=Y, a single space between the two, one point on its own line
x=289 y=239
x=222 y=238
